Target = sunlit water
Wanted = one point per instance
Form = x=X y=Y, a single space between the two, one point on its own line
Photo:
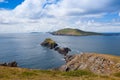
x=27 y=51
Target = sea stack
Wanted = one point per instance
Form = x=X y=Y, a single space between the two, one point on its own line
x=49 y=43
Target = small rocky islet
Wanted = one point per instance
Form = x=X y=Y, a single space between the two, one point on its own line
x=51 y=44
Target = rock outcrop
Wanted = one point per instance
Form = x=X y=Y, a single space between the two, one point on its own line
x=97 y=63
x=63 y=51
x=10 y=64
x=49 y=43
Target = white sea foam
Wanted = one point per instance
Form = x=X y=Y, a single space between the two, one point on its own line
x=62 y=59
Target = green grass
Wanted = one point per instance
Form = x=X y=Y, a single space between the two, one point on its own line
x=79 y=73
x=49 y=40
x=27 y=73
x=117 y=74
x=8 y=73
x=69 y=31
x=76 y=32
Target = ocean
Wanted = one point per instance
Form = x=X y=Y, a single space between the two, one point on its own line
x=25 y=48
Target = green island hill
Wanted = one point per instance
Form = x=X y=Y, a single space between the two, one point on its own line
x=73 y=32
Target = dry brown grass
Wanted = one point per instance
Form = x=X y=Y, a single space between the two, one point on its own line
x=7 y=73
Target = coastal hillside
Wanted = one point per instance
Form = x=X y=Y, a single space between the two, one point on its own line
x=87 y=66
x=73 y=32
x=94 y=62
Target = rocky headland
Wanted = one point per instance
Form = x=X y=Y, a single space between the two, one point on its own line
x=96 y=63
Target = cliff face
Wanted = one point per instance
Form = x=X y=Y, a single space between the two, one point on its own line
x=97 y=63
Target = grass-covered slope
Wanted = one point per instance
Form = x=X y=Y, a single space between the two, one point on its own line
x=8 y=73
x=73 y=32
x=15 y=73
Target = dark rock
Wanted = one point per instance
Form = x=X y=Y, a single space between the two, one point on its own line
x=63 y=51
x=10 y=64
x=69 y=58
x=3 y=64
x=64 y=68
x=57 y=48
x=49 y=43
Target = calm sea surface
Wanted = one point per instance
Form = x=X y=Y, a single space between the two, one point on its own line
x=26 y=50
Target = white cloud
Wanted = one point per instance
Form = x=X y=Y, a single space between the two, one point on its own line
x=2 y=0
x=29 y=9
x=119 y=14
x=46 y=15
x=98 y=26
x=81 y=7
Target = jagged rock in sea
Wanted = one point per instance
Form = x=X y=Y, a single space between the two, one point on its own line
x=49 y=43
x=63 y=51
x=96 y=63
x=10 y=64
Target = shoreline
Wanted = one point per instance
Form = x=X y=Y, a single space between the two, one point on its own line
x=18 y=73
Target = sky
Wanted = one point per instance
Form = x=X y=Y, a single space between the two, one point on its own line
x=50 y=15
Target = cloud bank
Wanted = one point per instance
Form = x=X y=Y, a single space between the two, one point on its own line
x=49 y=15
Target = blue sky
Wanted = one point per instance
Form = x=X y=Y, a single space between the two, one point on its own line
x=50 y=15
x=10 y=4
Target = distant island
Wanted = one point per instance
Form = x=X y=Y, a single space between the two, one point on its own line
x=35 y=32
x=73 y=32
x=111 y=34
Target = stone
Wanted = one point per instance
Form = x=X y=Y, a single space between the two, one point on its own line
x=63 y=51
x=49 y=43
x=3 y=64
x=96 y=63
x=10 y=64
